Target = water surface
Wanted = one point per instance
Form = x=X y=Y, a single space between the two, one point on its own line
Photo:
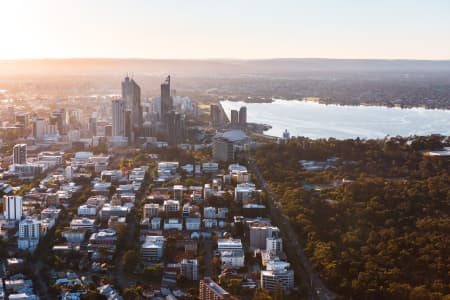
x=315 y=120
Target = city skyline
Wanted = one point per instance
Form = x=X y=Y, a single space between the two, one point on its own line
x=232 y=29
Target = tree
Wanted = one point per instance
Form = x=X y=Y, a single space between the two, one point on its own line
x=154 y=273
x=91 y=295
x=262 y=294
x=130 y=260
x=131 y=294
x=419 y=293
x=278 y=294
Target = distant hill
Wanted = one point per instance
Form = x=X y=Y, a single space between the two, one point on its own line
x=102 y=67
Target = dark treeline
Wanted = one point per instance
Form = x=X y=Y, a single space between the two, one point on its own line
x=383 y=233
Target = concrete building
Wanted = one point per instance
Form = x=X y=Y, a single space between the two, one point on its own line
x=243 y=192
x=192 y=223
x=87 y=210
x=234 y=117
x=152 y=248
x=131 y=94
x=231 y=253
x=39 y=128
x=274 y=245
x=277 y=273
x=210 y=167
x=216 y=115
x=74 y=236
x=166 y=99
x=109 y=210
x=151 y=210
x=225 y=144
x=118 y=117
x=209 y=212
x=209 y=290
x=259 y=234
x=20 y=154
x=243 y=115
x=175 y=224
x=171 y=206
x=155 y=223
x=88 y=224
x=29 y=234
x=175 y=123
x=12 y=208
x=189 y=268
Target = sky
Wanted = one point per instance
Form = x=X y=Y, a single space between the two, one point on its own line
x=246 y=29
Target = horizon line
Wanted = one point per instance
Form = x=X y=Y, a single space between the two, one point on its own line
x=222 y=59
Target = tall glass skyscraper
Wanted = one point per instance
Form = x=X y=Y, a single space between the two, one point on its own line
x=131 y=94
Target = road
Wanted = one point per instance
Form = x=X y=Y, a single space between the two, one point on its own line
x=208 y=257
x=122 y=278
x=317 y=290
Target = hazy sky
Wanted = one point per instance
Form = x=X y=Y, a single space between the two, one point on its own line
x=225 y=28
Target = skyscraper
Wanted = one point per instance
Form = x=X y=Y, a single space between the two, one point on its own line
x=166 y=99
x=39 y=128
x=131 y=94
x=20 y=154
x=234 y=117
x=93 y=125
x=175 y=127
x=118 y=118
x=243 y=115
x=215 y=115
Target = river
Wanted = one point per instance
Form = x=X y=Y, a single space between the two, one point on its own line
x=315 y=120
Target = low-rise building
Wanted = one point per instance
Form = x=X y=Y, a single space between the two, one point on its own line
x=109 y=210
x=209 y=290
x=231 y=253
x=50 y=212
x=103 y=239
x=277 y=273
x=244 y=192
x=83 y=223
x=259 y=234
x=209 y=212
x=173 y=224
x=74 y=235
x=151 y=210
x=152 y=248
x=189 y=268
x=87 y=210
x=192 y=223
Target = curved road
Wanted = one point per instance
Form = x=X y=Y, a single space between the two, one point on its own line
x=318 y=289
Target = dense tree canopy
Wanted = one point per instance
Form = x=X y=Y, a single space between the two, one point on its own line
x=383 y=232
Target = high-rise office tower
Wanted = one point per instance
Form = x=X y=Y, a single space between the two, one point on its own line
x=166 y=99
x=93 y=126
x=175 y=127
x=243 y=115
x=215 y=115
x=59 y=119
x=20 y=154
x=131 y=94
x=118 y=118
x=234 y=117
x=22 y=118
x=39 y=128
x=129 y=133
x=12 y=207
